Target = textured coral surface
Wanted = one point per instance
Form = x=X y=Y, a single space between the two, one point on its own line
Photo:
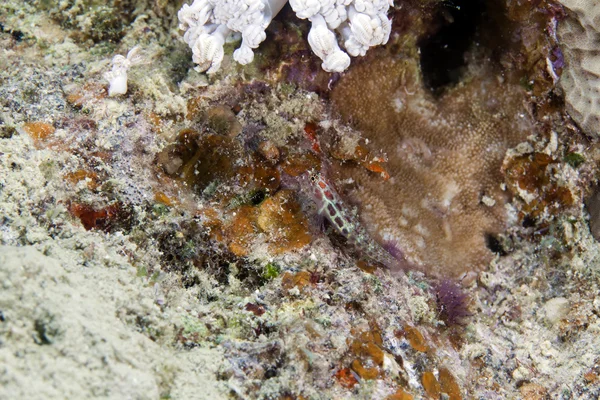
x=443 y=159
x=579 y=34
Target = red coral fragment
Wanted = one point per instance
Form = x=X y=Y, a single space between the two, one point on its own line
x=255 y=309
x=346 y=378
x=102 y=219
x=311 y=133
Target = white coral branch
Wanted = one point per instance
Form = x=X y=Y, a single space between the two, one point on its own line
x=323 y=42
x=360 y=23
x=208 y=23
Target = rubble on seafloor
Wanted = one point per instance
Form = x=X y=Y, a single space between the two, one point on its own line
x=162 y=243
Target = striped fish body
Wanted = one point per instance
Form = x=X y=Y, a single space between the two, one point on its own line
x=331 y=206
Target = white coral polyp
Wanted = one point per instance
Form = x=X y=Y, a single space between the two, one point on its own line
x=208 y=49
x=360 y=23
x=324 y=44
x=117 y=76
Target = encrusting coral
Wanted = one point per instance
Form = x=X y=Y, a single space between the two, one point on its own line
x=443 y=196
x=208 y=23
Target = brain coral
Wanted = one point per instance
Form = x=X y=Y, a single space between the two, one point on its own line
x=444 y=155
x=579 y=35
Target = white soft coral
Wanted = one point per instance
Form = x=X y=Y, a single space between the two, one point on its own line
x=323 y=42
x=208 y=23
x=117 y=76
x=360 y=23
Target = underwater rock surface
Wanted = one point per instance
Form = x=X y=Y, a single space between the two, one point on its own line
x=162 y=243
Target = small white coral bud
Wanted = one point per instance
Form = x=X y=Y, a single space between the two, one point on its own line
x=366 y=30
x=244 y=55
x=117 y=76
x=208 y=50
x=117 y=84
x=252 y=37
x=305 y=8
x=336 y=62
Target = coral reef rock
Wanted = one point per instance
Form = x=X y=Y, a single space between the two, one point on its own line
x=579 y=35
x=163 y=243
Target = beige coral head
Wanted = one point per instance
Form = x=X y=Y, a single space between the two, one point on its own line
x=444 y=158
x=579 y=36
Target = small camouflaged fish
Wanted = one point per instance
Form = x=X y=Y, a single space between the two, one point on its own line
x=331 y=205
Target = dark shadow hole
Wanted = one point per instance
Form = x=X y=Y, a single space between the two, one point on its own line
x=443 y=52
x=494 y=244
x=257 y=197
